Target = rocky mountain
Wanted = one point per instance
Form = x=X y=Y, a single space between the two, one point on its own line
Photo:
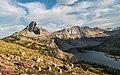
x=112 y=45
x=19 y=60
x=37 y=38
x=79 y=37
x=65 y=39
x=36 y=29
x=79 y=32
x=34 y=51
x=33 y=30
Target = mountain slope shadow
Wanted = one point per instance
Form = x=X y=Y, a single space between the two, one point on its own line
x=82 y=43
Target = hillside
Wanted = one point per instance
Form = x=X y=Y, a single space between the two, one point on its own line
x=76 y=36
x=34 y=50
x=15 y=59
x=111 y=45
x=22 y=59
x=37 y=38
x=18 y=59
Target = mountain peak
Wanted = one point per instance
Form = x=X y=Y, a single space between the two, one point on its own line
x=33 y=27
x=78 y=32
x=33 y=24
x=33 y=30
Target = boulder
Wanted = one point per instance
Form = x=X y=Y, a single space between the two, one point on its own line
x=7 y=69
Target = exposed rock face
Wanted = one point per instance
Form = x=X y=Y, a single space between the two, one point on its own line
x=37 y=38
x=33 y=29
x=79 y=37
x=65 y=39
x=78 y=32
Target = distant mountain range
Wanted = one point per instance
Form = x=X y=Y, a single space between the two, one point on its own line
x=34 y=49
x=111 y=45
x=74 y=37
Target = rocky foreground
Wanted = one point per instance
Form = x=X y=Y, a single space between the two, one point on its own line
x=16 y=59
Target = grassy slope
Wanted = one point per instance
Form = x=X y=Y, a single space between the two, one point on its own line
x=9 y=50
x=47 y=47
x=45 y=50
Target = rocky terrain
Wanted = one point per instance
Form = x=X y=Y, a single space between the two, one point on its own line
x=33 y=30
x=111 y=46
x=78 y=32
x=79 y=37
x=65 y=39
x=37 y=38
x=19 y=60
x=35 y=50
x=106 y=40
x=75 y=37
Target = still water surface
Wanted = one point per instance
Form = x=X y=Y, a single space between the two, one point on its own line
x=95 y=56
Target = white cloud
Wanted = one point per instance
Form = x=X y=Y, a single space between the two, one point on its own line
x=8 y=30
x=57 y=15
x=117 y=6
x=83 y=5
x=101 y=13
x=10 y=13
x=105 y=3
x=105 y=22
x=67 y=1
x=67 y=16
x=1 y=28
x=103 y=10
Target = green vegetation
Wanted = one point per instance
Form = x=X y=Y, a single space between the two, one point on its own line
x=47 y=47
x=11 y=39
x=43 y=56
x=24 y=60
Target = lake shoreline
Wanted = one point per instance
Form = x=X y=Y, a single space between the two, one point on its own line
x=89 y=56
x=114 y=54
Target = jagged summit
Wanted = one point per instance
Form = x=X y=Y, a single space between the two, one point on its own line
x=33 y=30
x=78 y=32
x=33 y=27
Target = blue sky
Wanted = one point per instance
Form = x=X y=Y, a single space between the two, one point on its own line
x=48 y=3
x=58 y=14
